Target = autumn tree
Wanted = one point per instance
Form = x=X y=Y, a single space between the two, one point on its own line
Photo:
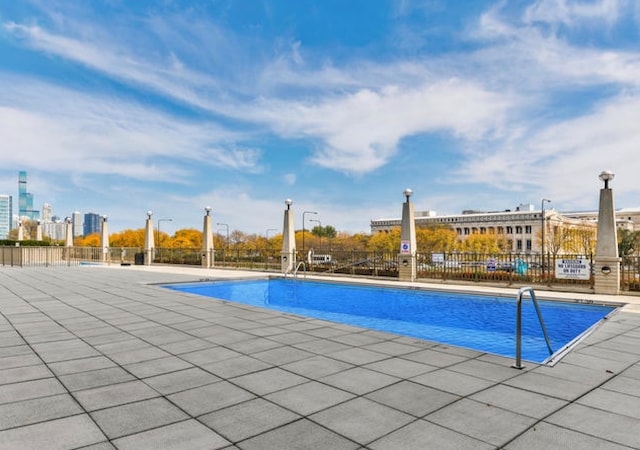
x=436 y=239
x=485 y=243
x=385 y=242
x=185 y=238
x=628 y=242
x=91 y=240
x=127 y=238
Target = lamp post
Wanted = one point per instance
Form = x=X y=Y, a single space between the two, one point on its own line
x=542 y=235
x=320 y=225
x=303 y=214
x=158 y=232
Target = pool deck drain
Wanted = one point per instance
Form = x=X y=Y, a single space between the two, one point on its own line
x=101 y=357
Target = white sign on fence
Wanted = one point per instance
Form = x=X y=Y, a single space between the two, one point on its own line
x=574 y=269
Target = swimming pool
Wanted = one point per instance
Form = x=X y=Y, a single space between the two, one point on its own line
x=482 y=323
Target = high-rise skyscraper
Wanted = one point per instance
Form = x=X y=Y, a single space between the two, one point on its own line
x=25 y=199
x=76 y=220
x=6 y=215
x=91 y=224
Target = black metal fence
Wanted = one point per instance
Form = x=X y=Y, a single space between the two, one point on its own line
x=509 y=268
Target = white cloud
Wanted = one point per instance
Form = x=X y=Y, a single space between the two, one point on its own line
x=574 y=13
x=361 y=130
x=60 y=129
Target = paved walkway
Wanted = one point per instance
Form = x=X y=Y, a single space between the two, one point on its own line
x=102 y=358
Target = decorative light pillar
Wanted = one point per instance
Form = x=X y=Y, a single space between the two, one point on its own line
x=20 y=231
x=149 y=245
x=407 y=256
x=207 y=240
x=288 y=254
x=607 y=262
x=38 y=230
x=104 y=238
x=68 y=240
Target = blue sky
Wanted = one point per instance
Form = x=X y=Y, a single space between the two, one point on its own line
x=119 y=107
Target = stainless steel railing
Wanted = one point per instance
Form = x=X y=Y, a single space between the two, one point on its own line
x=521 y=292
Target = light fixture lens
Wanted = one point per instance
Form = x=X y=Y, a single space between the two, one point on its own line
x=408 y=192
x=606 y=175
x=288 y=202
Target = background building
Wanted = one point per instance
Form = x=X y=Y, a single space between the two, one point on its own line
x=76 y=223
x=25 y=199
x=91 y=224
x=6 y=215
x=521 y=228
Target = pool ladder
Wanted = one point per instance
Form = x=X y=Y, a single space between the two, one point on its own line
x=532 y=294
x=304 y=266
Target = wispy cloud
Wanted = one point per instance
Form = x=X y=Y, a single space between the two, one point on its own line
x=63 y=129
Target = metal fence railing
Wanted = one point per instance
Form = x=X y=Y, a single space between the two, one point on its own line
x=509 y=268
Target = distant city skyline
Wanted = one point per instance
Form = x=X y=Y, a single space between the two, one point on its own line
x=123 y=107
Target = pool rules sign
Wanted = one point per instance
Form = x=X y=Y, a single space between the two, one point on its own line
x=573 y=269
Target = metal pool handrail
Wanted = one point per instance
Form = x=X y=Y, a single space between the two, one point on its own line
x=295 y=272
x=521 y=291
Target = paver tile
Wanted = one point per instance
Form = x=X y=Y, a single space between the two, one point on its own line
x=551 y=437
x=481 y=421
x=310 y=397
x=421 y=435
x=95 y=378
x=519 y=401
x=413 y=398
x=19 y=374
x=69 y=432
x=267 y=381
x=136 y=417
x=299 y=435
x=362 y=420
x=30 y=389
x=27 y=412
x=317 y=366
x=454 y=382
x=358 y=356
x=158 y=366
x=180 y=380
x=359 y=380
x=209 y=398
x=248 y=419
x=282 y=355
x=115 y=394
x=81 y=365
x=234 y=367
x=189 y=434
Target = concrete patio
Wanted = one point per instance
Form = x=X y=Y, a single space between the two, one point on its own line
x=101 y=358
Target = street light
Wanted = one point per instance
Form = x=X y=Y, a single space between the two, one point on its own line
x=303 y=214
x=320 y=234
x=158 y=232
x=542 y=240
x=606 y=176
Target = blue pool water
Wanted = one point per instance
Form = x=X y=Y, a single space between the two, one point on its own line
x=481 y=323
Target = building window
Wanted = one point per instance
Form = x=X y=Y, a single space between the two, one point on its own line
x=500 y=230
x=474 y=230
x=492 y=230
x=509 y=230
x=466 y=231
x=527 y=229
x=483 y=230
x=518 y=229
x=459 y=231
x=528 y=245
x=519 y=244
